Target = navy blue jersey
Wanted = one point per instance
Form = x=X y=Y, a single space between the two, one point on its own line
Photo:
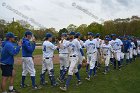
x=8 y=52
x=126 y=45
x=27 y=48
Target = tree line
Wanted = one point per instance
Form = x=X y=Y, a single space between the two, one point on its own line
x=127 y=26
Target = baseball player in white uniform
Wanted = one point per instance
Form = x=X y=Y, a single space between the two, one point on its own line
x=91 y=47
x=135 y=53
x=132 y=50
x=81 y=58
x=98 y=41
x=138 y=48
x=47 y=63
x=106 y=50
x=116 y=45
x=74 y=47
x=63 y=56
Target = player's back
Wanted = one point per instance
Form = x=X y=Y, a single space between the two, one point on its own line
x=48 y=49
x=78 y=45
x=72 y=48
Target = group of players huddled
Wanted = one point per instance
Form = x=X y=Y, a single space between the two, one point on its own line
x=73 y=52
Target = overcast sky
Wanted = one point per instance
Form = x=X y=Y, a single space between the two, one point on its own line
x=61 y=13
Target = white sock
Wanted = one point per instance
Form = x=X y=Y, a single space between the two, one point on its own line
x=10 y=87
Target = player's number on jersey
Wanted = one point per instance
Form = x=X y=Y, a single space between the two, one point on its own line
x=44 y=48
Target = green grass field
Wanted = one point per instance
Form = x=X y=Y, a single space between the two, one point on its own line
x=125 y=81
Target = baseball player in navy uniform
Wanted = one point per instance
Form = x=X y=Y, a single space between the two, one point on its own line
x=7 y=62
x=47 y=64
x=126 y=48
x=63 y=56
x=116 y=45
x=74 y=47
x=28 y=48
x=91 y=48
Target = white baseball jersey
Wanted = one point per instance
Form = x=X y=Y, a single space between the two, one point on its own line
x=106 y=49
x=74 y=47
x=48 y=49
x=82 y=43
x=132 y=45
x=138 y=42
x=78 y=46
x=116 y=45
x=98 y=41
x=63 y=46
x=90 y=46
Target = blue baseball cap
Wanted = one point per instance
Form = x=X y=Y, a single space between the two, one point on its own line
x=10 y=35
x=107 y=36
x=90 y=33
x=72 y=33
x=78 y=34
x=108 y=39
x=28 y=33
x=113 y=35
x=64 y=34
x=98 y=34
x=48 y=35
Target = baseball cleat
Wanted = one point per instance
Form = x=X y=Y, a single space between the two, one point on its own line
x=36 y=87
x=88 y=78
x=78 y=83
x=63 y=88
x=44 y=83
x=95 y=75
x=24 y=86
x=13 y=91
x=55 y=85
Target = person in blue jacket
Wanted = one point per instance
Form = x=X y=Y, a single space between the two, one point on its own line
x=7 y=61
x=126 y=48
x=28 y=47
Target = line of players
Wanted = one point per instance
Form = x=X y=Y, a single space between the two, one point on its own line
x=112 y=50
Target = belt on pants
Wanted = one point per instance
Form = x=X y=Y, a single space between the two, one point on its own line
x=105 y=54
x=73 y=56
x=48 y=57
x=63 y=53
x=92 y=53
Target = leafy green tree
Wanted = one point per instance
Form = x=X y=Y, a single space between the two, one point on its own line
x=16 y=28
x=71 y=27
x=64 y=30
